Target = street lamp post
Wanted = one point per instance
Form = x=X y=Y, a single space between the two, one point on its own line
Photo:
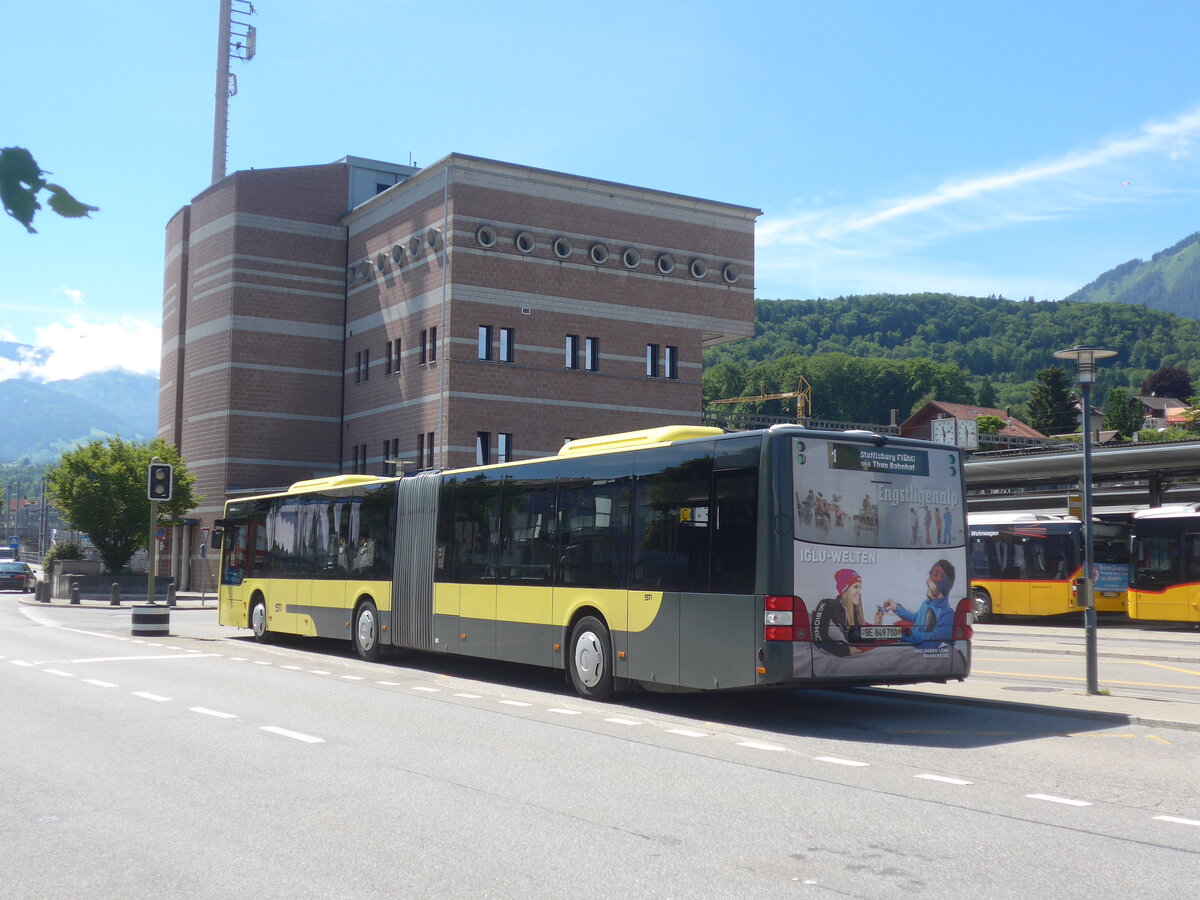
x=1085 y=374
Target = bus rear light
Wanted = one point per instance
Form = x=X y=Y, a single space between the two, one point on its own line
x=963 y=616
x=785 y=618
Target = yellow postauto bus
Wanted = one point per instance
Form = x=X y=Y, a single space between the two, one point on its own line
x=676 y=558
x=1027 y=564
x=1164 y=581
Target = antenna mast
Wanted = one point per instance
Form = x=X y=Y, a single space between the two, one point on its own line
x=235 y=40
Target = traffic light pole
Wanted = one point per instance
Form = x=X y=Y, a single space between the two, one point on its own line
x=150 y=551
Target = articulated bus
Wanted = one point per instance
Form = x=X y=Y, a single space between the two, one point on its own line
x=1027 y=564
x=1164 y=584
x=677 y=558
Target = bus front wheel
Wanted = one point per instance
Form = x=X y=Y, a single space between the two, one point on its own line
x=981 y=606
x=366 y=632
x=591 y=662
x=258 y=621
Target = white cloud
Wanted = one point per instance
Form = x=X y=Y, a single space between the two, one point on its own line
x=77 y=347
x=75 y=295
x=841 y=240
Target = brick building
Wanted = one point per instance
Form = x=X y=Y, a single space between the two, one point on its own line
x=362 y=316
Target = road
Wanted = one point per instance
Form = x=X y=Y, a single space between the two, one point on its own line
x=207 y=765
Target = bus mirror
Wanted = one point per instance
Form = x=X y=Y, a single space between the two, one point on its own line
x=218 y=535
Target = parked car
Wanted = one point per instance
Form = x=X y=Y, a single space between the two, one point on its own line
x=17 y=576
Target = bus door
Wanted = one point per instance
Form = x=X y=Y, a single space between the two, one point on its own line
x=524 y=568
x=282 y=564
x=476 y=524
x=1014 y=599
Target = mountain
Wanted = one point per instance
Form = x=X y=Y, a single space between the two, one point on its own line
x=1169 y=281
x=43 y=420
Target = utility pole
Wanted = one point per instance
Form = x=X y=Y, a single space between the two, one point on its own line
x=235 y=40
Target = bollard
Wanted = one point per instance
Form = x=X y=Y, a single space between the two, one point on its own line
x=151 y=620
x=74 y=593
x=171 y=594
x=42 y=592
x=114 y=595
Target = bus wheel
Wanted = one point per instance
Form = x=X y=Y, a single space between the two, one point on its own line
x=981 y=606
x=258 y=621
x=591 y=663
x=366 y=632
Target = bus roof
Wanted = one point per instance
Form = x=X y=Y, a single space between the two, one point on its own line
x=1168 y=511
x=1016 y=518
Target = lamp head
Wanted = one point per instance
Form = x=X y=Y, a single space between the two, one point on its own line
x=1085 y=361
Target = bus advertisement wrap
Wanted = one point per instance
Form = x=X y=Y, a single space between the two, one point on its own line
x=885 y=577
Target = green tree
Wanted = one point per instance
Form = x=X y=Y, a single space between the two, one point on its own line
x=21 y=181
x=1122 y=413
x=100 y=488
x=987 y=393
x=1052 y=405
x=990 y=424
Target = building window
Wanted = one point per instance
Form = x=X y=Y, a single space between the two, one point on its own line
x=424 y=357
x=396 y=356
x=652 y=360
x=504 y=447
x=485 y=341
x=358 y=367
x=387 y=359
x=420 y=451
x=483 y=445
x=383 y=460
x=572 y=351
x=591 y=354
x=507 y=343
x=429 y=447
x=433 y=344
x=671 y=362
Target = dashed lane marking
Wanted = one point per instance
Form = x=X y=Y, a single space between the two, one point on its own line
x=1175 y=820
x=944 y=779
x=1050 y=798
x=686 y=732
x=216 y=714
x=760 y=745
x=294 y=735
x=59 y=672
x=838 y=761
x=145 y=695
x=617 y=720
x=98 y=683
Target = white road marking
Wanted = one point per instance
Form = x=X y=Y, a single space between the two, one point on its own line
x=1178 y=821
x=294 y=735
x=21 y=662
x=317 y=672
x=389 y=683
x=204 y=711
x=515 y=703
x=147 y=696
x=261 y=662
x=686 y=733
x=98 y=683
x=99 y=659
x=427 y=690
x=353 y=677
x=1050 y=798
x=293 y=668
x=617 y=720
x=564 y=712
x=759 y=745
x=59 y=672
x=837 y=761
x=468 y=696
x=944 y=779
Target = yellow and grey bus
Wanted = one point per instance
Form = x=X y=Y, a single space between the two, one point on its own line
x=1164 y=581
x=1027 y=564
x=676 y=558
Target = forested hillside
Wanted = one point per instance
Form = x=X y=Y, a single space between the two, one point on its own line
x=970 y=339
x=1169 y=281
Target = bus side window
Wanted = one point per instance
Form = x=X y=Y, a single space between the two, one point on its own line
x=1191 y=543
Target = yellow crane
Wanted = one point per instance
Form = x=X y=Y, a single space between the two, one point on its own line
x=802 y=395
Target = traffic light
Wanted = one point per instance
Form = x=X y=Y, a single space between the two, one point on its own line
x=160 y=481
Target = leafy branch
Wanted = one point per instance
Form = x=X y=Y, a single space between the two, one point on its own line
x=21 y=181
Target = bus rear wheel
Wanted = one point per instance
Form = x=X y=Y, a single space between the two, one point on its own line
x=981 y=606
x=591 y=662
x=258 y=621
x=366 y=632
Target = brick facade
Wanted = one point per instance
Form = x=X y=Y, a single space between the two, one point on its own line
x=287 y=291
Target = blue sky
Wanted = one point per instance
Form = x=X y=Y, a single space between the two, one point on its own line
x=1017 y=148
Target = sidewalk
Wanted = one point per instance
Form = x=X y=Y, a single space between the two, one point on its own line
x=1177 y=647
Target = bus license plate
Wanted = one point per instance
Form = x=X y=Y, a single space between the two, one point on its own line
x=879 y=632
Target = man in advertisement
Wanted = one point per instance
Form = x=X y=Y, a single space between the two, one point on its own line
x=933 y=622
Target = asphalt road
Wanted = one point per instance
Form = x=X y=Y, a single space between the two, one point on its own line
x=207 y=765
